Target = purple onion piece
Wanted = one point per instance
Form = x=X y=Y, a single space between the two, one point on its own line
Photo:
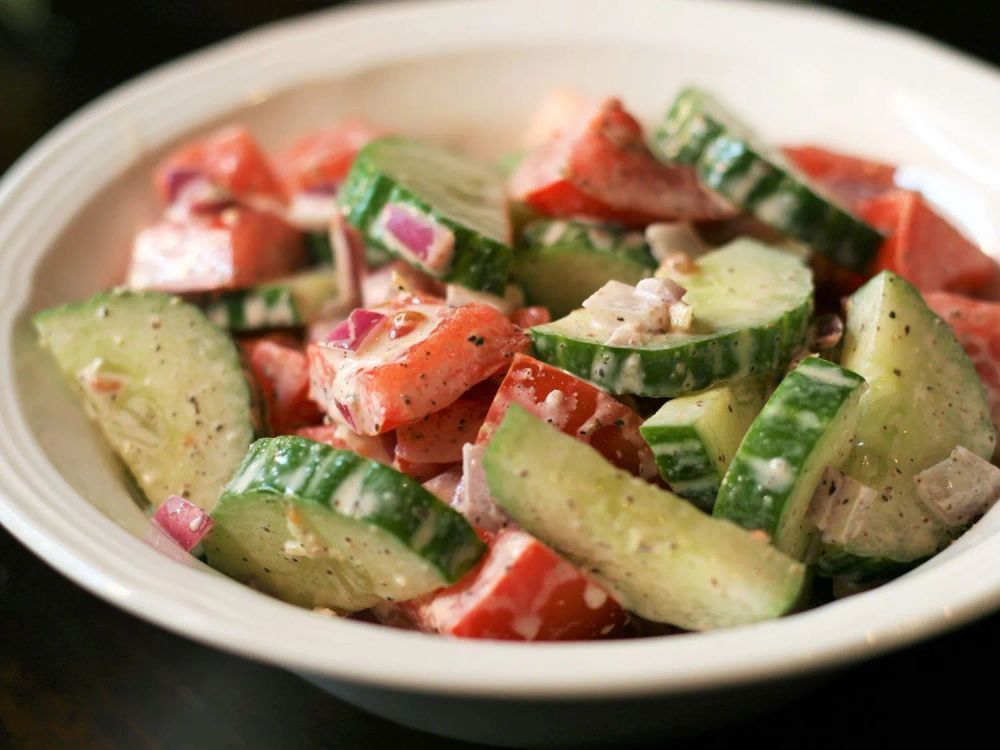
x=183 y=521
x=415 y=235
x=351 y=333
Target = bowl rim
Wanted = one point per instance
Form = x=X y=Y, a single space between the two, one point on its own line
x=39 y=507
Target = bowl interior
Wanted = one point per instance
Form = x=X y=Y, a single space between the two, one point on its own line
x=476 y=94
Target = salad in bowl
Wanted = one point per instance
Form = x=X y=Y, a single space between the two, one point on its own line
x=623 y=383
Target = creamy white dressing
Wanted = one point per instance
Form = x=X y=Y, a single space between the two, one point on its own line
x=772 y=474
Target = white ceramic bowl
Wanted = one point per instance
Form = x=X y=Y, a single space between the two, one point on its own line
x=470 y=72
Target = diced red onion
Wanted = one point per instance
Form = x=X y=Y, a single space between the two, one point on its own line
x=183 y=521
x=351 y=333
x=345 y=412
x=839 y=506
x=472 y=496
x=349 y=263
x=412 y=233
x=959 y=489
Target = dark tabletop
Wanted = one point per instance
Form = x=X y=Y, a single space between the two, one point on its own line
x=76 y=673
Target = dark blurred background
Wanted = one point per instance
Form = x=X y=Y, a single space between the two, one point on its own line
x=75 y=673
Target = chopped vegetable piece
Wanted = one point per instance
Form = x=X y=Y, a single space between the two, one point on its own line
x=394 y=279
x=805 y=426
x=422 y=358
x=230 y=159
x=472 y=498
x=852 y=179
x=661 y=557
x=439 y=437
x=558 y=110
x=576 y=408
x=296 y=300
x=183 y=521
x=700 y=132
x=924 y=398
x=695 y=437
x=560 y=262
x=751 y=307
x=601 y=168
x=319 y=161
x=923 y=248
x=281 y=370
x=320 y=527
x=164 y=385
x=959 y=489
x=527 y=317
x=976 y=325
x=840 y=507
x=236 y=248
x=521 y=591
x=672 y=242
x=433 y=208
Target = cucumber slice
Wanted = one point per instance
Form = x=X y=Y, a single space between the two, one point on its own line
x=729 y=159
x=805 y=426
x=165 y=386
x=695 y=437
x=294 y=301
x=663 y=558
x=561 y=263
x=320 y=527
x=751 y=312
x=460 y=200
x=925 y=398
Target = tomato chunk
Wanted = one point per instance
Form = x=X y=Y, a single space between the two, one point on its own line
x=576 y=407
x=976 y=324
x=526 y=317
x=319 y=161
x=235 y=248
x=601 y=168
x=417 y=358
x=439 y=437
x=521 y=591
x=230 y=159
x=375 y=447
x=925 y=249
x=849 y=178
x=281 y=371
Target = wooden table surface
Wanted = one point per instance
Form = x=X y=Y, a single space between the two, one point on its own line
x=76 y=673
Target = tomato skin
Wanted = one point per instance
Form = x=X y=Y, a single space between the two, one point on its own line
x=526 y=317
x=465 y=347
x=279 y=366
x=319 y=161
x=234 y=248
x=976 y=324
x=576 y=407
x=850 y=178
x=520 y=591
x=439 y=437
x=231 y=159
x=600 y=167
x=924 y=248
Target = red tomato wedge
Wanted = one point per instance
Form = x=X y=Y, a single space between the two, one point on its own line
x=521 y=591
x=234 y=248
x=976 y=324
x=439 y=437
x=319 y=161
x=576 y=407
x=280 y=368
x=601 y=168
x=399 y=362
x=420 y=471
x=375 y=447
x=925 y=249
x=526 y=317
x=230 y=159
x=850 y=178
